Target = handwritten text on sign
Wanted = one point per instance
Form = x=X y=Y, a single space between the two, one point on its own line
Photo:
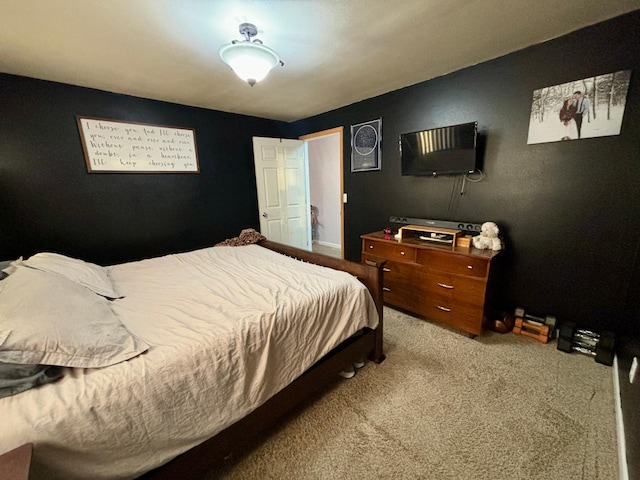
x=114 y=146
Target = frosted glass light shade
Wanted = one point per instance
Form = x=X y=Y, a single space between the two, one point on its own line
x=250 y=61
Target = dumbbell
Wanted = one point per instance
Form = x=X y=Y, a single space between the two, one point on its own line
x=565 y=336
x=605 y=348
x=601 y=346
x=548 y=320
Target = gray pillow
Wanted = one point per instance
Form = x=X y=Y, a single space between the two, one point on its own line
x=19 y=378
x=3 y=265
x=8 y=267
x=48 y=319
x=89 y=275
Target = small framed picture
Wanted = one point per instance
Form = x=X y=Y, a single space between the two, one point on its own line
x=366 y=139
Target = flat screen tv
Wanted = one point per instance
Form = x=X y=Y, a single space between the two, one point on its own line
x=439 y=151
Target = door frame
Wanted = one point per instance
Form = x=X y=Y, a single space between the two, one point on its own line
x=323 y=133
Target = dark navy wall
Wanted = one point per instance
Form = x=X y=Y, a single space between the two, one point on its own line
x=48 y=201
x=568 y=210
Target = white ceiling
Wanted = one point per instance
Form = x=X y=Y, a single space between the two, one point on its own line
x=336 y=52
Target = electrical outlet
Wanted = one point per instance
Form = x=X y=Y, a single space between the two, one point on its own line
x=634 y=370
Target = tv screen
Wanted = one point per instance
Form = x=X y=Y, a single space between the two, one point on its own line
x=439 y=151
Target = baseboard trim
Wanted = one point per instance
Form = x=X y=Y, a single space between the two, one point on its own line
x=622 y=447
x=327 y=244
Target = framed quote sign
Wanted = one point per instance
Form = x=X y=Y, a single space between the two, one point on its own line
x=115 y=146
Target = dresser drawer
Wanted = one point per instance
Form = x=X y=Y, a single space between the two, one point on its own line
x=463 y=288
x=459 y=264
x=389 y=251
x=404 y=296
x=401 y=297
x=459 y=315
x=398 y=286
x=399 y=272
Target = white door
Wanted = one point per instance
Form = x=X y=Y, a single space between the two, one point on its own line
x=283 y=190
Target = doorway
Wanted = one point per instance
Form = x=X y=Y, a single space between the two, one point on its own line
x=326 y=188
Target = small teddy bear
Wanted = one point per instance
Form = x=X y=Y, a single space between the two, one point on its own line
x=488 y=238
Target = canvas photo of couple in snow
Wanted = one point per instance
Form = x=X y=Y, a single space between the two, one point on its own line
x=587 y=108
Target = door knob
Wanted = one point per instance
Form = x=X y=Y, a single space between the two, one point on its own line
x=265 y=215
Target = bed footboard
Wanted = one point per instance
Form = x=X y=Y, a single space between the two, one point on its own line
x=369 y=273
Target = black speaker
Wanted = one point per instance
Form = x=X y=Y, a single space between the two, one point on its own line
x=465 y=226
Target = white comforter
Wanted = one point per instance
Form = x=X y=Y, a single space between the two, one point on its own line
x=228 y=327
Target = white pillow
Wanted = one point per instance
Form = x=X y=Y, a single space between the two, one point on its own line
x=90 y=275
x=48 y=319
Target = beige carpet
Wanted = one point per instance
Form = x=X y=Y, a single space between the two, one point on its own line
x=443 y=406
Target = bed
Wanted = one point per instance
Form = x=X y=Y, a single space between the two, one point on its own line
x=224 y=341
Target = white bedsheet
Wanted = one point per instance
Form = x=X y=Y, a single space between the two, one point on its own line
x=228 y=327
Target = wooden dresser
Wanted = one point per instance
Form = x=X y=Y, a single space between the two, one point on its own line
x=437 y=282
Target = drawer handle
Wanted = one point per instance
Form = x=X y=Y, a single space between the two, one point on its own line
x=401 y=253
x=386 y=289
x=470 y=267
x=371 y=247
x=385 y=269
x=444 y=309
x=444 y=285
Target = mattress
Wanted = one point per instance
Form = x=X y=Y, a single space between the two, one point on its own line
x=227 y=328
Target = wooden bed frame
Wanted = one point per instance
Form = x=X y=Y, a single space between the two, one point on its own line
x=206 y=456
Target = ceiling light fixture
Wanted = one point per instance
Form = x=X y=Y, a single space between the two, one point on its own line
x=250 y=59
